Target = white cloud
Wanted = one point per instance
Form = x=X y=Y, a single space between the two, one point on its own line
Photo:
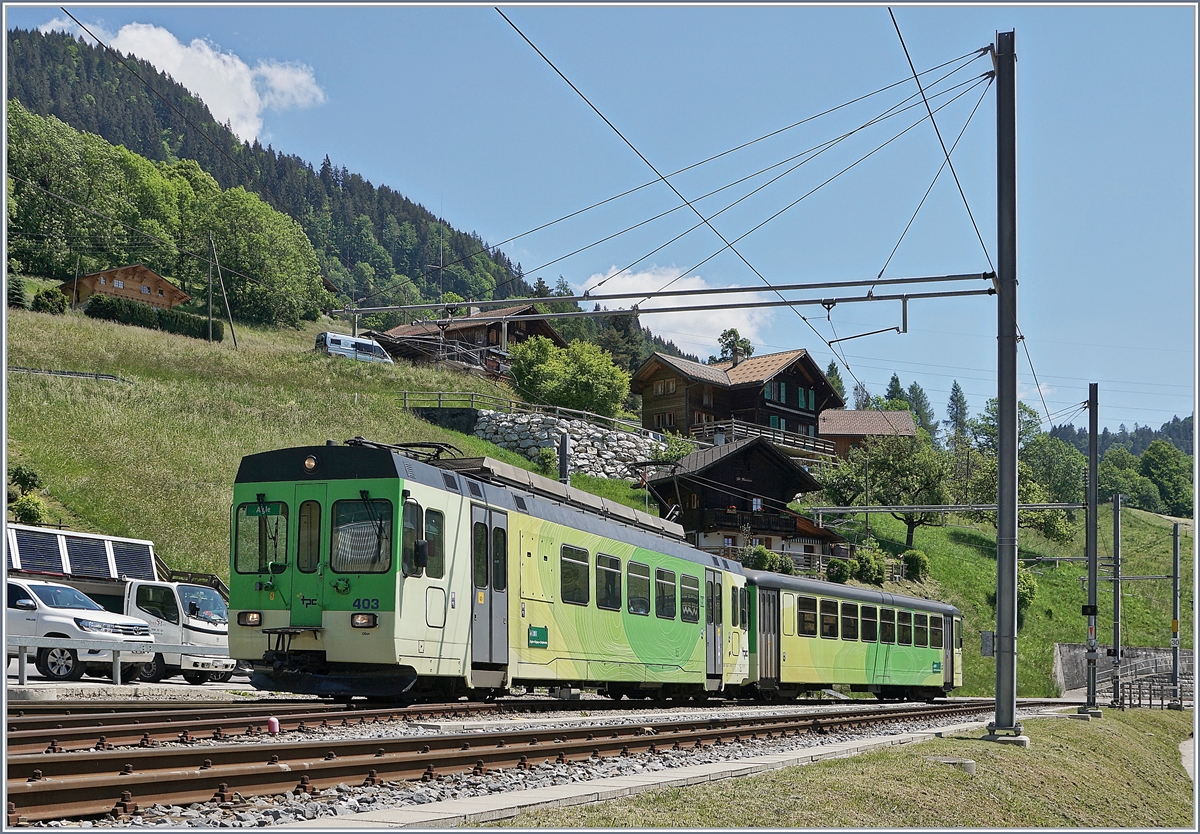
x=234 y=91
x=693 y=332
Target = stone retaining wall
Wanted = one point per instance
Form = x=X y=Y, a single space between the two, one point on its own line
x=596 y=451
x=1070 y=662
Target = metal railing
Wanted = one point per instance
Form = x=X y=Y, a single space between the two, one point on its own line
x=734 y=429
x=22 y=644
x=470 y=399
x=1142 y=682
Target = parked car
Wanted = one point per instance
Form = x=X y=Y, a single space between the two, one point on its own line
x=354 y=347
x=37 y=608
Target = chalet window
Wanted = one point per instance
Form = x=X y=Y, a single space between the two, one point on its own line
x=664 y=419
x=756 y=504
x=145 y=290
x=706 y=397
x=782 y=424
x=783 y=392
x=160 y=292
x=693 y=501
x=103 y=280
x=774 y=421
x=664 y=386
x=731 y=541
x=118 y=283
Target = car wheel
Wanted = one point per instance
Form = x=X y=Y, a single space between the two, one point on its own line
x=131 y=672
x=195 y=678
x=59 y=664
x=221 y=677
x=154 y=671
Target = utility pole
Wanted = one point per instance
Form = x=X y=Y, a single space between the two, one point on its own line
x=1117 y=700
x=1090 y=610
x=1006 y=392
x=210 y=298
x=1176 y=697
x=228 y=312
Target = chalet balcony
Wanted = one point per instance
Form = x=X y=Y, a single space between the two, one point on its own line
x=760 y=522
x=796 y=445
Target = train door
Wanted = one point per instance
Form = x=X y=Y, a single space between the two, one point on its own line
x=712 y=628
x=768 y=636
x=489 y=576
x=948 y=650
x=307 y=573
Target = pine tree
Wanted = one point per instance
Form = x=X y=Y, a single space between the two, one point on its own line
x=957 y=412
x=835 y=379
x=922 y=410
x=895 y=391
x=862 y=397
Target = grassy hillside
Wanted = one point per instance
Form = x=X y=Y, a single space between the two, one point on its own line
x=962 y=560
x=155 y=457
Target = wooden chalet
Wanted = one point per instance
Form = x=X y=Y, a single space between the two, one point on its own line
x=848 y=429
x=473 y=343
x=735 y=495
x=779 y=396
x=136 y=282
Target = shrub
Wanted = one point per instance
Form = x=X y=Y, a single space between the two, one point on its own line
x=16 y=292
x=1026 y=587
x=28 y=509
x=24 y=477
x=547 y=461
x=916 y=565
x=49 y=300
x=127 y=311
x=786 y=566
x=676 y=449
x=14 y=492
x=838 y=570
x=759 y=558
x=869 y=567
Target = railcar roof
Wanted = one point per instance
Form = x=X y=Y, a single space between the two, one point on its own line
x=770 y=579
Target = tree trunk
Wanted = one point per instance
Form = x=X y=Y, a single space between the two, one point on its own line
x=908 y=539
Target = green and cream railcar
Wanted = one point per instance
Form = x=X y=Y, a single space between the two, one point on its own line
x=359 y=570
x=810 y=634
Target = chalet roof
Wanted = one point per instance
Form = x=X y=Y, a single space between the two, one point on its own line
x=427 y=328
x=754 y=370
x=863 y=422
x=703 y=459
x=139 y=272
x=695 y=370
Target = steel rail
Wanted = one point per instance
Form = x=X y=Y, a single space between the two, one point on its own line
x=55 y=786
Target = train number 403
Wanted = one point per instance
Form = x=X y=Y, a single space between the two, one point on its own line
x=365 y=604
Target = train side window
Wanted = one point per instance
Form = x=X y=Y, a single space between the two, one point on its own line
x=499 y=559
x=921 y=630
x=733 y=607
x=745 y=606
x=435 y=534
x=479 y=554
x=712 y=605
x=362 y=536
x=789 y=624
x=887 y=625
x=573 y=574
x=718 y=602
x=904 y=630
x=664 y=594
x=308 y=546
x=261 y=536
x=410 y=522
x=958 y=633
x=849 y=621
x=870 y=628
x=689 y=598
x=637 y=579
x=806 y=621
x=935 y=632
x=829 y=619
x=608 y=582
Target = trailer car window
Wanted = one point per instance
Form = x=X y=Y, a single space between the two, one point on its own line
x=435 y=534
x=574 y=575
x=637 y=579
x=935 y=632
x=904 y=628
x=479 y=554
x=499 y=559
x=887 y=625
x=608 y=582
x=308 y=552
x=806 y=623
x=849 y=621
x=261 y=531
x=689 y=598
x=829 y=619
x=870 y=629
x=789 y=602
x=664 y=594
x=921 y=630
x=362 y=536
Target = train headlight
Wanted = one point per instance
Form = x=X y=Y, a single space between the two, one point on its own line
x=249 y=618
x=363 y=621
x=310 y=463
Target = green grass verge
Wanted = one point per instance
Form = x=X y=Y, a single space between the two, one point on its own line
x=1123 y=770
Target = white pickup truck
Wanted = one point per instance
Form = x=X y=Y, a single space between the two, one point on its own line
x=37 y=608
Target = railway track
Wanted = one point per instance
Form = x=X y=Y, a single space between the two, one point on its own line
x=59 y=785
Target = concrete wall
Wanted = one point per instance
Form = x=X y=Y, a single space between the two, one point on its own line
x=1070 y=663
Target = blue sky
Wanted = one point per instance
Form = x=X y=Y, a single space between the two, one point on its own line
x=449 y=106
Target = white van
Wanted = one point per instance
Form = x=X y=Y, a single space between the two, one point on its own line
x=355 y=347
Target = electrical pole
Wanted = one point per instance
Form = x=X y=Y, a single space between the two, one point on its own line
x=1006 y=391
x=1091 y=609
x=210 y=298
x=1117 y=700
x=1176 y=697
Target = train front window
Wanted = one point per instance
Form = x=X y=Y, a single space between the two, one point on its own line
x=608 y=582
x=499 y=559
x=362 y=536
x=935 y=632
x=887 y=625
x=308 y=545
x=435 y=529
x=689 y=599
x=261 y=536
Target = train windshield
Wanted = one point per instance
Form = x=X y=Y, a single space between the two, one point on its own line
x=362 y=536
x=261 y=536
